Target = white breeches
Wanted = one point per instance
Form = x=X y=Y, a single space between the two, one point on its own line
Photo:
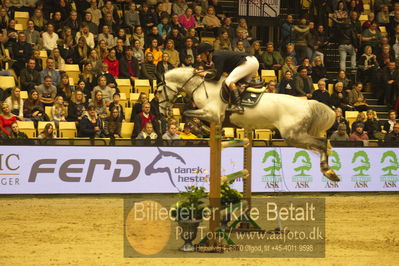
x=246 y=70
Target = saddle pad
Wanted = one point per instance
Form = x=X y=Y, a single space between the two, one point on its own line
x=247 y=98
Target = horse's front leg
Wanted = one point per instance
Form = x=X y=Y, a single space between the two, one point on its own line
x=324 y=167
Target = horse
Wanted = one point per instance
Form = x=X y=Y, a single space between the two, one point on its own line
x=301 y=122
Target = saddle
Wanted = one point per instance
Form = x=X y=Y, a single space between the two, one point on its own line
x=250 y=93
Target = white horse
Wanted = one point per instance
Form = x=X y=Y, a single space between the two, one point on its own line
x=300 y=121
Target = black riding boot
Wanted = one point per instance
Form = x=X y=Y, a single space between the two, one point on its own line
x=235 y=102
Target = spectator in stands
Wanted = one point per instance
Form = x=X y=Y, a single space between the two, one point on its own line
x=95 y=61
x=16 y=103
x=113 y=124
x=272 y=59
x=211 y=21
x=346 y=83
x=359 y=134
x=192 y=33
x=186 y=134
x=256 y=50
x=394 y=40
x=370 y=20
x=357 y=27
x=163 y=66
x=188 y=49
x=138 y=51
x=389 y=124
x=6 y=118
x=373 y=127
x=67 y=51
x=47 y=133
x=4 y=18
x=155 y=51
x=290 y=52
x=171 y=134
x=383 y=16
x=50 y=39
x=187 y=19
x=223 y=42
x=147 y=18
x=47 y=91
x=289 y=66
x=59 y=62
x=339 y=119
x=154 y=34
x=84 y=32
x=339 y=97
x=111 y=82
x=77 y=107
x=73 y=22
x=301 y=36
x=348 y=43
x=163 y=30
x=99 y=104
x=88 y=76
x=58 y=111
x=57 y=22
x=368 y=65
x=116 y=105
x=102 y=50
x=389 y=90
x=106 y=91
x=198 y=17
x=142 y=118
x=340 y=134
x=240 y=36
x=138 y=106
x=107 y=37
x=91 y=126
x=371 y=36
x=147 y=132
x=95 y=12
x=286 y=31
x=32 y=35
x=287 y=85
x=303 y=83
x=50 y=72
x=30 y=78
x=393 y=136
x=148 y=68
x=155 y=111
x=93 y=28
x=112 y=62
x=15 y=133
x=138 y=35
x=129 y=66
x=33 y=108
x=356 y=98
x=179 y=7
x=174 y=57
x=38 y=19
x=20 y=52
x=340 y=14
x=360 y=119
x=318 y=70
x=132 y=18
x=177 y=37
x=322 y=94
x=385 y=55
x=271 y=87
x=65 y=89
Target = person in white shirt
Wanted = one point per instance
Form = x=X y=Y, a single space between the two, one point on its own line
x=84 y=31
x=50 y=38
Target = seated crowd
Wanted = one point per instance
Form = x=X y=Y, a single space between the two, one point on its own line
x=111 y=40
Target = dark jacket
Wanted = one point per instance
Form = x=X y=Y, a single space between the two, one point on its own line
x=161 y=68
x=137 y=125
x=287 y=87
x=120 y=108
x=148 y=71
x=75 y=111
x=29 y=78
x=391 y=137
x=318 y=73
x=86 y=128
x=183 y=54
x=300 y=85
x=322 y=96
x=225 y=61
x=124 y=67
x=346 y=34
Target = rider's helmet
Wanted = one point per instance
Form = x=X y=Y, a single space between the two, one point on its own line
x=204 y=47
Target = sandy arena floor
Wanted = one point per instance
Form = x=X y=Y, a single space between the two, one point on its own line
x=88 y=230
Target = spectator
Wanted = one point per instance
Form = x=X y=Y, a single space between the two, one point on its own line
x=47 y=91
x=286 y=31
x=155 y=51
x=116 y=105
x=58 y=111
x=393 y=136
x=148 y=68
x=177 y=37
x=318 y=70
x=91 y=126
x=373 y=127
x=67 y=51
x=95 y=12
x=163 y=66
x=359 y=134
x=179 y=7
x=371 y=36
x=59 y=62
x=88 y=77
x=147 y=132
x=290 y=52
x=192 y=33
x=113 y=124
x=360 y=119
x=93 y=28
x=272 y=59
x=385 y=55
x=346 y=83
x=15 y=133
x=256 y=50
x=57 y=22
x=99 y=104
x=106 y=91
x=339 y=97
x=303 y=83
x=138 y=35
x=84 y=32
x=198 y=17
x=340 y=14
x=339 y=119
x=6 y=118
x=301 y=36
x=112 y=62
x=73 y=22
x=383 y=16
x=32 y=35
x=50 y=72
x=132 y=18
x=370 y=20
x=389 y=124
x=390 y=79
x=142 y=118
x=107 y=37
x=289 y=66
x=322 y=94
x=40 y=22
x=228 y=26
x=240 y=37
x=357 y=27
x=111 y=82
x=223 y=41
x=50 y=39
x=340 y=134
x=138 y=106
x=33 y=108
x=348 y=43
x=187 y=19
x=30 y=78
x=368 y=65
x=77 y=107
x=186 y=134
x=129 y=66
x=20 y=52
x=356 y=98
x=101 y=49
x=164 y=28
x=154 y=34
x=16 y=103
x=65 y=89
x=174 y=57
x=211 y=21
x=287 y=85
x=147 y=18
x=171 y=134
x=48 y=132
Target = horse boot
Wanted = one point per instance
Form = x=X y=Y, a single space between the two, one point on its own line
x=235 y=100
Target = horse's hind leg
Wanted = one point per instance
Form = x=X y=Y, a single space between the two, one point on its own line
x=306 y=141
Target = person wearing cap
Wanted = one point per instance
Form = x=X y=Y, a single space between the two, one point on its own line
x=359 y=134
x=239 y=65
x=186 y=134
x=340 y=134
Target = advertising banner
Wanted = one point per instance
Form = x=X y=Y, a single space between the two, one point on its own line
x=85 y=170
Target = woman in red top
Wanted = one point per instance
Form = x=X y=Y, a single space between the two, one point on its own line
x=187 y=19
x=6 y=118
x=113 y=63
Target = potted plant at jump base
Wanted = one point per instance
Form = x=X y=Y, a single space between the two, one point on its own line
x=230 y=199
x=188 y=212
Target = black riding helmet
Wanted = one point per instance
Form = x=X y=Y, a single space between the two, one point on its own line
x=204 y=47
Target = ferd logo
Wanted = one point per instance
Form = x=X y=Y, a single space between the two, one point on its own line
x=362 y=164
x=302 y=179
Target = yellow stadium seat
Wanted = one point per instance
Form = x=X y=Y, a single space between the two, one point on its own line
x=351 y=116
x=124 y=101
x=28 y=128
x=7 y=82
x=181 y=125
x=128 y=113
x=71 y=81
x=134 y=97
x=228 y=132
x=24 y=95
x=363 y=18
x=19 y=27
x=124 y=86
x=42 y=124
x=263 y=134
x=268 y=75
x=240 y=133
x=47 y=110
x=383 y=30
x=150 y=97
x=315 y=87
x=67 y=130
x=366 y=8
x=208 y=39
x=43 y=56
x=330 y=88
x=176 y=114
x=22 y=18
x=142 y=85
x=72 y=70
x=127 y=129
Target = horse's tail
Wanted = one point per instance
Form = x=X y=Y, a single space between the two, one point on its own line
x=322 y=118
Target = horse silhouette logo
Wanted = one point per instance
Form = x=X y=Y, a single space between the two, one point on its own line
x=276 y=163
x=153 y=169
x=302 y=158
x=363 y=158
x=392 y=159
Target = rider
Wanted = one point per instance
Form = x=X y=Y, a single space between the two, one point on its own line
x=239 y=65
